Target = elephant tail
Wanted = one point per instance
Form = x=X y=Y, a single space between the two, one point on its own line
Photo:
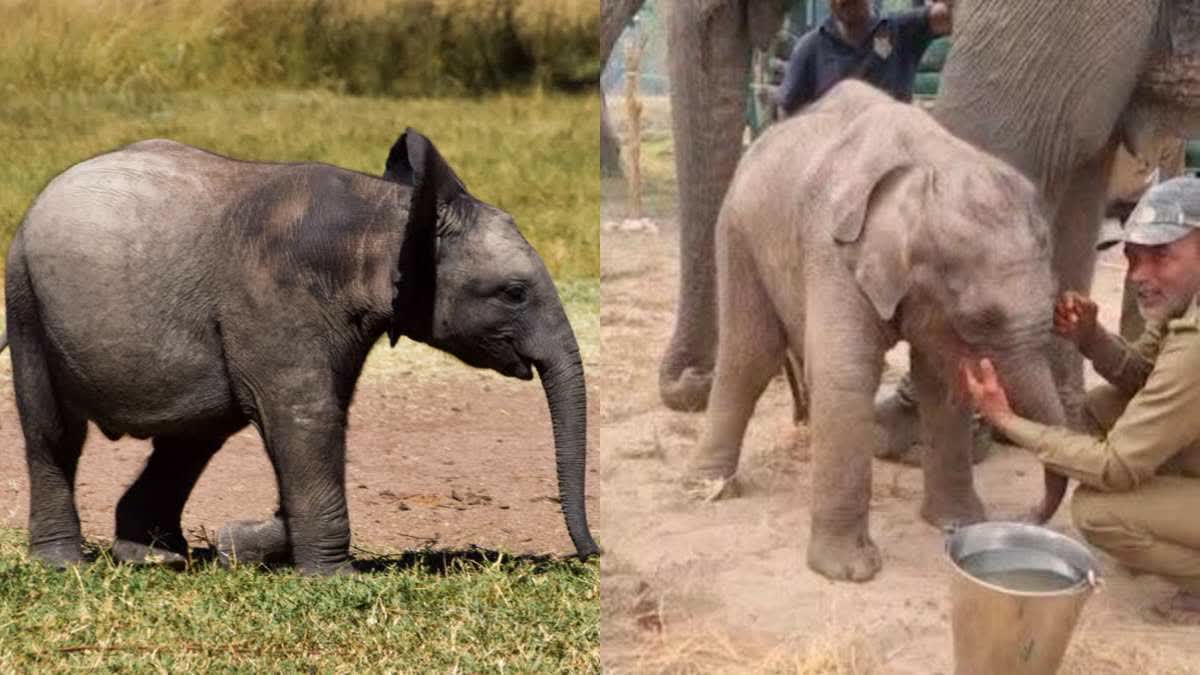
x=3 y=340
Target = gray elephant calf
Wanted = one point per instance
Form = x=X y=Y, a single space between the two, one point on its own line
x=163 y=291
x=854 y=225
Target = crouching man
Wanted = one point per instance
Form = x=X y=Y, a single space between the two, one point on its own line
x=1139 y=498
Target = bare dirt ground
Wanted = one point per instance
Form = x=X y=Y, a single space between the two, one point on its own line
x=723 y=586
x=439 y=456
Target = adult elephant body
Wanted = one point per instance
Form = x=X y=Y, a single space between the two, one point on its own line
x=163 y=291
x=1048 y=87
x=1053 y=89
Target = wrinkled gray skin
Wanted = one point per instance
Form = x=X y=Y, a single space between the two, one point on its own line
x=708 y=45
x=1027 y=81
x=856 y=224
x=1011 y=85
x=1059 y=100
x=165 y=292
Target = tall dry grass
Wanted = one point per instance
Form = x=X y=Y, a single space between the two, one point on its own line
x=368 y=47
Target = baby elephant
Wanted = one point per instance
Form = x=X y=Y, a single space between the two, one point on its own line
x=859 y=223
x=166 y=292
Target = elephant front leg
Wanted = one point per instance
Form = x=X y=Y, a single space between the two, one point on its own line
x=950 y=497
x=307 y=448
x=844 y=436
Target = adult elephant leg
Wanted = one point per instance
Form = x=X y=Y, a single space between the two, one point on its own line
x=841 y=373
x=709 y=56
x=148 y=528
x=750 y=352
x=950 y=497
x=1076 y=226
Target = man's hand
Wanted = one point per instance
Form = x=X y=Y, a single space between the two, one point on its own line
x=941 y=20
x=1075 y=318
x=986 y=392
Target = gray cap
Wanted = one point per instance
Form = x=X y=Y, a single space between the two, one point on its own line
x=1168 y=211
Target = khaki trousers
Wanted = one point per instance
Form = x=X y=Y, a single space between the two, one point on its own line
x=1151 y=529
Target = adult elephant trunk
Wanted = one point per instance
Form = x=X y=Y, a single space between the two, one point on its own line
x=1030 y=385
x=561 y=370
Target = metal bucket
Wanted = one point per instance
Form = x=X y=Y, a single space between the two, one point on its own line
x=1015 y=597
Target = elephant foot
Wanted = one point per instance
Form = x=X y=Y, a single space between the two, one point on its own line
x=711 y=476
x=844 y=556
x=711 y=490
x=253 y=542
x=58 y=554
x=687 y=391
x=945 y=513
x=135 y=553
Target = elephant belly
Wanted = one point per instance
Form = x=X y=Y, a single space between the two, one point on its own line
x=151 y=402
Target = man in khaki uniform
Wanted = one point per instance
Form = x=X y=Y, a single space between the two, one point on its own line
x=1128 y=180
x=1140 y=472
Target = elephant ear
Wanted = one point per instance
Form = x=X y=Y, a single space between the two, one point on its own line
x=415 y=162
x=873 y=209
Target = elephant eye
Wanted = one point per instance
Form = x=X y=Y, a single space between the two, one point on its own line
x=515 y=294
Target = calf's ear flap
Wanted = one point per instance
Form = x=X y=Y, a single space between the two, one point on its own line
x=413 y=160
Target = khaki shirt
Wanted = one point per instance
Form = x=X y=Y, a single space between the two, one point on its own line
x=1160 y=428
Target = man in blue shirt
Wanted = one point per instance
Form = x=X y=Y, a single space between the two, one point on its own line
x=853 y=42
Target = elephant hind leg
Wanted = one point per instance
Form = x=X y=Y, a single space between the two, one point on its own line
x=148 y=515
x=54 y=433
x=751 y=349
x=54 y=439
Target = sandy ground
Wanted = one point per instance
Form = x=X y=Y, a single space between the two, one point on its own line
x=723 y=586
x=441 y=457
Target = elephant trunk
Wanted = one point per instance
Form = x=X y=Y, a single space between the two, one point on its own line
x=562 y=378
x=1030 y=385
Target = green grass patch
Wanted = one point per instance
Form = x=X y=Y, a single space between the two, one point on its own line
x=377 y=47
x=420 y=613
x=532 y=154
